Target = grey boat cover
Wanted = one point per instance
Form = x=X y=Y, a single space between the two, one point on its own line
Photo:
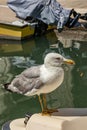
x=48 y=11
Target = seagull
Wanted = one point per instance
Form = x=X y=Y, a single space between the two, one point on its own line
x=41 y=79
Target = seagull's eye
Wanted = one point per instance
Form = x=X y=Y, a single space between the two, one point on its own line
x=58 y=58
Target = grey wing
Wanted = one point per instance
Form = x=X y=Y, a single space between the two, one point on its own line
x=27 y=81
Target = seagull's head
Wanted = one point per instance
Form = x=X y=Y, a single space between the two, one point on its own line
x=56 y=60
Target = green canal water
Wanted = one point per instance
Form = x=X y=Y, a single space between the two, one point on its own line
x=15 y=56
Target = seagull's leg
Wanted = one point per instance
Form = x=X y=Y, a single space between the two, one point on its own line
x=41 y=104
x=44 y=101
x=45 y=109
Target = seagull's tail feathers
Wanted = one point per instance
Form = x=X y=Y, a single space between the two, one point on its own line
x=6 y=86
x=9 y=87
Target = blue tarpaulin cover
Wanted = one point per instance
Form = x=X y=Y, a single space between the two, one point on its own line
x=48 y=11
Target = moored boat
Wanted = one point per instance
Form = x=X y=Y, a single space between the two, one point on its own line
x=64 y=119
x=12 y=27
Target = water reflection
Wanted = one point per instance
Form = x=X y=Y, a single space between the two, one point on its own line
x=17 y=56
x=77 y=87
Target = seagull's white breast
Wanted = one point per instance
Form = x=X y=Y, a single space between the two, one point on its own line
x=52 y=79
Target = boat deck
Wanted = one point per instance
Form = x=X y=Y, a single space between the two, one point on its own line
x=74 y=3
x=6 y=14
x=12 y=27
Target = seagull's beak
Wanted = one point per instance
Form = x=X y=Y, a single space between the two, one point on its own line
x=69 y=61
